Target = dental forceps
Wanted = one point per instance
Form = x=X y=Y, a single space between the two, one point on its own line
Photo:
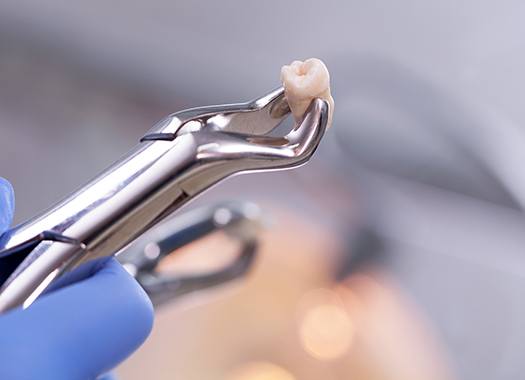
x=240 y=221
x=179 y=158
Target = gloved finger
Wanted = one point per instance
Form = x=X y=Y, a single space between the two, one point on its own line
x=83 y=272
x=107 y=376
x=79 y=331
x=7 y=204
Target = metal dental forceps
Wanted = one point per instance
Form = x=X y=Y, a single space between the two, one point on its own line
x=240 y=221
x=180 y=157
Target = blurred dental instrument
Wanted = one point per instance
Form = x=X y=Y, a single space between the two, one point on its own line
x=240 y=221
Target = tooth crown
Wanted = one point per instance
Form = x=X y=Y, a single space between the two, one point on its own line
x=304 y=81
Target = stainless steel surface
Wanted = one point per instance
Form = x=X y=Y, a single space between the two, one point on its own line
x=240 y=221
x=195 y=149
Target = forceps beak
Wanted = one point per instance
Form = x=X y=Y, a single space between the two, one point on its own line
x=233 y=139
x=257 y=117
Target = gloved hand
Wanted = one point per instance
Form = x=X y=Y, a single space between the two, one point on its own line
x=92 y=319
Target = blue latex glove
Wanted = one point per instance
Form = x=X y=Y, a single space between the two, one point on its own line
x=91 y=320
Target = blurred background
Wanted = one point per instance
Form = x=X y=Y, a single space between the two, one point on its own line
x=397 y=253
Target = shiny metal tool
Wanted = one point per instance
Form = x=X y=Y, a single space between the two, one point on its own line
x=180 y=157
x=240 y=221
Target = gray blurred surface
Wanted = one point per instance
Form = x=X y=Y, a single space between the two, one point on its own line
x=177 y=47
x=81 y=82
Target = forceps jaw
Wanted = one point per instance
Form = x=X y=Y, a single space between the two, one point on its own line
x=259 y=116
x=220 y=155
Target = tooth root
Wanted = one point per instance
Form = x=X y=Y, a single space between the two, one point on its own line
x=304 y=81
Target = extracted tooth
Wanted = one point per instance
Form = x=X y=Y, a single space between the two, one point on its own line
x=304 y=81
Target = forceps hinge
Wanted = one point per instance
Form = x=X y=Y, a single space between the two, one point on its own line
x=43 y=236
x=158 y=137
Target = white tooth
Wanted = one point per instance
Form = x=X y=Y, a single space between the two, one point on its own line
x=304 y=81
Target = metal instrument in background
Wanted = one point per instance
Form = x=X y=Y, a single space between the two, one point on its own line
x=240 y=221
x=179 y=158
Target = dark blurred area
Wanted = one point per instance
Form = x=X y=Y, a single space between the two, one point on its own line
x=397 y=253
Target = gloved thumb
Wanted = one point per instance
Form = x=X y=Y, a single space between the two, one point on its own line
x=7 y=204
